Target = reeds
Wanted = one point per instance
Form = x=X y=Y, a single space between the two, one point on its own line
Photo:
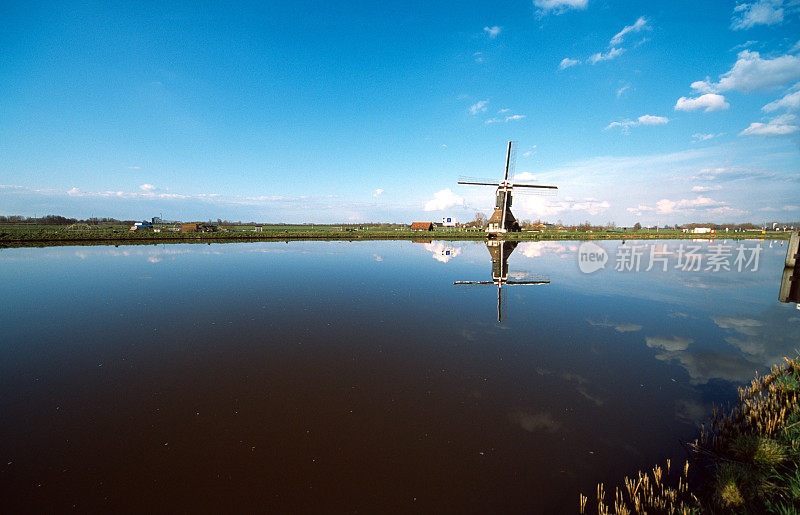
x=747 y=458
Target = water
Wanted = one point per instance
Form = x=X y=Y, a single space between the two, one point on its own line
x=355 y=377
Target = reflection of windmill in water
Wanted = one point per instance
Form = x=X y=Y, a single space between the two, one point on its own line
x=500 y=250
x=502 y=220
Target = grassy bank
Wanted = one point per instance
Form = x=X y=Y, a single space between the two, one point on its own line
x=746 y=460
x=26 y=234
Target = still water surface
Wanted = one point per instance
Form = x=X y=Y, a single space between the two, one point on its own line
x=356 y=377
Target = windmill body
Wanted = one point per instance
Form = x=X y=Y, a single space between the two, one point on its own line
x=502 y=220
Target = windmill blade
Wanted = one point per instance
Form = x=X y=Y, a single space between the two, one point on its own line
x=472 y=283
x=526 y=283
x=519 y=185
x=535 y=189
x=508 y=160
x=512 y=161
x=479 y=181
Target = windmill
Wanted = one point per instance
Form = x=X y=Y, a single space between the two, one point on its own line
x=502 y=220
x=500 y=250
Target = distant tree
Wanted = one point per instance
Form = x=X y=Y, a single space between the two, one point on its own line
x=480 y=219
x=637 y=226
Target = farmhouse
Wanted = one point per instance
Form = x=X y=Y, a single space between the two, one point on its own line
x=422 y=226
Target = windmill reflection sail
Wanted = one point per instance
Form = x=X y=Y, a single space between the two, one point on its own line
x=500 y=251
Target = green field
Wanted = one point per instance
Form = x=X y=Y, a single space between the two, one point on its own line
x=31 y=234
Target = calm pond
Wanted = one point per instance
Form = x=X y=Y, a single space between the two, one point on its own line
x=356 y=377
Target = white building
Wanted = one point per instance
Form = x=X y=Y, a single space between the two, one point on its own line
x=448 y=222
x=702 y=230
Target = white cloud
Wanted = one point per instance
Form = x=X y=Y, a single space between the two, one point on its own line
x=796 y=47
x=535 y=422
x=790 y=101
x=652 y=120
x=622 y=90
x=525 y=176
x=530 y=206
x=731 y=174
x=667 y=206
x=492 y=31
x=621 y=327
x=708 y=102
x=778 y=126
x=530 y=152
x=478 y=57
x=742 y=46
x=73 y=192
x=147 y=187
x=700 y=189
x=751 y=72
x=703 y=137
x=762 y=12
x=478 y=107
x=642 y=120
x=378 y=192
x=674 y=343
x=611 y=54
x=444 y=199
x=510 y=118
x=441 y=251
x=746 y=326
x=133 y=167
x=567 y=62
x=558 y=6
x=639 y=25
x=505 y=110
x=535 y=249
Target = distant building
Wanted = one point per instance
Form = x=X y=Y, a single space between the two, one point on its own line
x=422 y=226
x=702 y=230
x=141 y=225
x=448 y=222
x=198 y=227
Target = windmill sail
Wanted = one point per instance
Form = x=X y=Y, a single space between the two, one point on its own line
x=502 y=220
x=500 y=251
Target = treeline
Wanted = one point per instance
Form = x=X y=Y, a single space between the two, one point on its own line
x=732 y=227
x=57 y=220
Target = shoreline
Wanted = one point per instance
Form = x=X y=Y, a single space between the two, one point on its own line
x=61 y=238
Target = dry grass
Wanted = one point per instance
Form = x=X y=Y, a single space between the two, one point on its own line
x=747 y=459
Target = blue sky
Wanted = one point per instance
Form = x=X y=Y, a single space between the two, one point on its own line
x=658 y=112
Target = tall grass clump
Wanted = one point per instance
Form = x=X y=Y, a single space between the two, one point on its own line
x=746 y=460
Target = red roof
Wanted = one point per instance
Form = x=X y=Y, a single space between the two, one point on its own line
x=423 y=226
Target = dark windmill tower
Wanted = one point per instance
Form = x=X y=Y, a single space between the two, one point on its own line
x=502 y=220
x=500 y=250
